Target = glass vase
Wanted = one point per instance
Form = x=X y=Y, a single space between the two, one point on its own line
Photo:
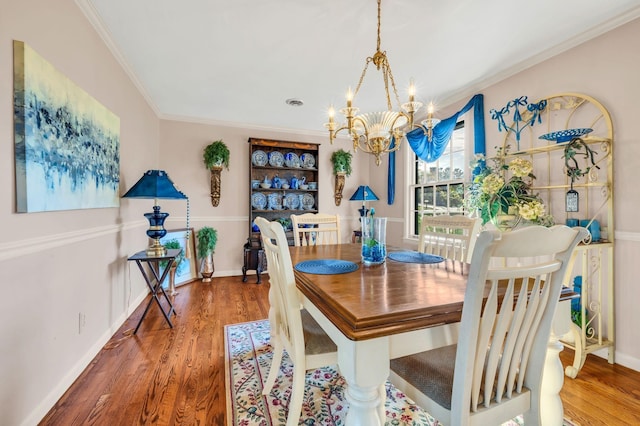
x=374 y=240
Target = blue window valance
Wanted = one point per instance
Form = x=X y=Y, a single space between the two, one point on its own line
x=430 y=151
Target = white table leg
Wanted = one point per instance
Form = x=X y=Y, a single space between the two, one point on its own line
x=551 y=411
x=365 y=367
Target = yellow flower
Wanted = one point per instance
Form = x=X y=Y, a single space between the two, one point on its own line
x=492 y=184
x=531 y=210
x=520 y=167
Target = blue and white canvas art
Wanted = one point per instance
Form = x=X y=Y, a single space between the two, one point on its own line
x=67 y=144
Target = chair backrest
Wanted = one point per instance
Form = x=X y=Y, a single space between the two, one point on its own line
x=452 y=237
x=284 y=311
x=311 y=229
x=503 y=341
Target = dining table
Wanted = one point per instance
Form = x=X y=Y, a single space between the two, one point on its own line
x=380 y=312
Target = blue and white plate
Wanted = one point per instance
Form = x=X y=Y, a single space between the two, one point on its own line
x=258 y=201
x=565 y=135
x=308 y=160
x=291 y=201
x=276 y=159
x=308 y=201
x=259 y=158
x=292 y=160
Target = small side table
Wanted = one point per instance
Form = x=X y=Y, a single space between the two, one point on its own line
x=156 y=288
x=254 y=258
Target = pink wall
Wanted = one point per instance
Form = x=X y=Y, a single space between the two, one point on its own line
x=58 y=265
x=181 y=148
x=606 y=68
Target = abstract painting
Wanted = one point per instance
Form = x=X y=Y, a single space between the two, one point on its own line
x=67 y=145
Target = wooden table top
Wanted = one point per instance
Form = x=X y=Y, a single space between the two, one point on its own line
x=380 y=300
x=386 y=299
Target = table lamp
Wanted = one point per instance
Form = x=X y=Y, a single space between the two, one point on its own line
x=364 y=194
x=155 y=184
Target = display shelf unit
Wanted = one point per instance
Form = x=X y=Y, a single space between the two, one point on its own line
x=593 y=260
x=282 y=203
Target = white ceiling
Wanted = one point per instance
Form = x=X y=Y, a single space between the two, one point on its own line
x=236 y=62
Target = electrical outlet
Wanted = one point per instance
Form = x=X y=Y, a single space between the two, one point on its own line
x=82 y=321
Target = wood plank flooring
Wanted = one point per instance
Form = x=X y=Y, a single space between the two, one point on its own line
x=163 y=376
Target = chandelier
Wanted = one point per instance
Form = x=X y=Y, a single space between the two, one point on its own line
x=374 y=132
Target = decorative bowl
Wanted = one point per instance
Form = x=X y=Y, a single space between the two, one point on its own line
x=265 y=185
x=285 y=186
x=304 y=187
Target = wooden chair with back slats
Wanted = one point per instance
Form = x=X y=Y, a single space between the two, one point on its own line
x=452 y=237
x=494 y=372
x=292 y=327
x=311 y=229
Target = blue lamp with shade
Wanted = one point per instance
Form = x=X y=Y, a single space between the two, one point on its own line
x=364 y=194
x=155 y=184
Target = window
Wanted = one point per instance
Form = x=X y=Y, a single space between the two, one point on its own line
x=438 y=187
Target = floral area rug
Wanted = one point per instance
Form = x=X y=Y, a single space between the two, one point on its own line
x=248 y=359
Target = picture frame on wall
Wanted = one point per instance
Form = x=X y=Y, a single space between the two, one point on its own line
x=187 y=270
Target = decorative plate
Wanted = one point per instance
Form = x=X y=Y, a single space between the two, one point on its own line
x=308 y=201
x=308 y=160
x=291 y=201
x=259 y=158
x=565 y=135
x=275 y=201
x=276 y=159
x=258 y=201
x=292 y=160
x=326 y=266
x=414 y=257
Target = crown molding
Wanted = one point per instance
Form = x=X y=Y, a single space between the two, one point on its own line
x=94 y=19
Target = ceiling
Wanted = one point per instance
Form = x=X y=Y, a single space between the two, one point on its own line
x=236 y=62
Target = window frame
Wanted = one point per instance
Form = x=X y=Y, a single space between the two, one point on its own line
x=411 y=162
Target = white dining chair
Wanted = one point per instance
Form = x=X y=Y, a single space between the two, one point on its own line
x=311 y=229
x=494 y=372
x=452 y=237
x=292 y=327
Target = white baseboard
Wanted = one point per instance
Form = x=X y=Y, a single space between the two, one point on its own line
x=620 y=358
x=56 y=393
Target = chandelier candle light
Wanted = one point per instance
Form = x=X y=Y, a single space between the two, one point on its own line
x=374 y=132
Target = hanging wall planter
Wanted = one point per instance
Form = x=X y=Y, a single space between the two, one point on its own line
x=341 y=161
x=216 y=156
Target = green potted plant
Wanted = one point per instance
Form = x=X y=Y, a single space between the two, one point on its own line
x=216 y=154
x=341 y=161
x=173 y=244
x=207 y=240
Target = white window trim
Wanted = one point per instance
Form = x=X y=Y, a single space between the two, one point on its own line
x=408 y=174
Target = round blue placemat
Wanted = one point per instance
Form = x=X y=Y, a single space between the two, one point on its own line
x=326 y=266
x=414 y=257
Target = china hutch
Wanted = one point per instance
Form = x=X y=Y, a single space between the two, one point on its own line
x=283 y=179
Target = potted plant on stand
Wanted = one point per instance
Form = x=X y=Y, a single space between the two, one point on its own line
x=173 y=244
x=341 y=161
x=216 y=156
x=207 y=240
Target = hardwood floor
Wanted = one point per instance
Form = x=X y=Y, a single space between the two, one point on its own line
x=175 y=376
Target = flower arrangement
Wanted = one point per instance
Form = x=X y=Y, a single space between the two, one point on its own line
x=494 y=196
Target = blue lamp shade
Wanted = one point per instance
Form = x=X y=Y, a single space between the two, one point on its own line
x=155 y=184
x=364 y=193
